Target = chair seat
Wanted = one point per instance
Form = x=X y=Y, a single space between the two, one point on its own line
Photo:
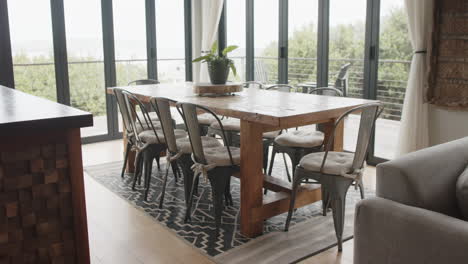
x=206 y=119
x=144 y=126
x=149 y=137
x=219 y=156
x=271 y=134
x=337 y=163
x=183 y=144
x=300 y=139
x=231 y=124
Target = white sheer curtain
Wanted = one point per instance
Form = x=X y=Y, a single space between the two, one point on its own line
x=206 y=15
x=414 y=128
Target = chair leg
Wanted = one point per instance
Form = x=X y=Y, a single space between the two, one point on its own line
x=163 y=192
x=361 y=188
x=292 y=202
x=218 y=185
x=270 y=168
x=190 y=199
x=227 y=194
x=127 y=152
x=286 y=166
x=325 y=200
x=338 y=189
x=266 y=149
x=157 y=162
x=148 y=171
x=174 y=170
x=138 y=171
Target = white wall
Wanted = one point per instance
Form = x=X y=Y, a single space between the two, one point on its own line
x=446 y=125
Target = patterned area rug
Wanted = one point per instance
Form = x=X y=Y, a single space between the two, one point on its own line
x=200 y=231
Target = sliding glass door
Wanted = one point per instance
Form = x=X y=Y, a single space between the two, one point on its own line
x=395 y=53
x=86 y=62
x=346 y=56
x=32 y=47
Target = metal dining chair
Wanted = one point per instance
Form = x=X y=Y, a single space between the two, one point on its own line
x=281 y=87
x=337 y=171
x=152 y=115
x=300 y=142
x=149 y=144
x=143 y=82
x=216 y=164
x=179 y=151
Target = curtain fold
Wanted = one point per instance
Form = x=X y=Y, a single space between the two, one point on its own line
x=414 y=126
x=206 y=15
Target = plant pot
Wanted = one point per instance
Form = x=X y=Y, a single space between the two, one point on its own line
x=218 y=71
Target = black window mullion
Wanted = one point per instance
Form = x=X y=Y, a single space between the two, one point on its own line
x=109 y=63
x=323 y=42
x=6 y=60
x=283 y=42
x=60 y=52
x=188 y=40
x=371 y=64
x=250 y=52
x=151 y=51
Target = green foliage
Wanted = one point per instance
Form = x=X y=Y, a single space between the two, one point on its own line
x=213 y=56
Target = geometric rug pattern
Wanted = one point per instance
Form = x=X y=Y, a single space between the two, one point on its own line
x=200 y=231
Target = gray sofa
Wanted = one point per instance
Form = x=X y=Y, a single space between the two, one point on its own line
x=415 y=217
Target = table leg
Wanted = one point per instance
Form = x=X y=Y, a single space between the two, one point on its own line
x=339 y=134
x=251 y=177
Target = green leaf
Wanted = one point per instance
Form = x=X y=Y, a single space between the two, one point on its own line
x=202 y=58
x=229 y=49
x=214 y=48
x=233 y=68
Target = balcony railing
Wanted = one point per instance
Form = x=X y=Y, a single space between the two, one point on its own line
x=391 y=84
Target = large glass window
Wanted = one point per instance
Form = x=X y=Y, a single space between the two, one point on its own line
x=266 y=19
x=170 y=40
x=130 y=40
x=236 y=35
x=346 y=56
x=32 y=47
x=302 y=41
x=395 y=53
x=85 y=61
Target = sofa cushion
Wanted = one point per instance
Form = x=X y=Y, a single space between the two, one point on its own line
x=462 y=193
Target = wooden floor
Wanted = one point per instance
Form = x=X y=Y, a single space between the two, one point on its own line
x=119 y=233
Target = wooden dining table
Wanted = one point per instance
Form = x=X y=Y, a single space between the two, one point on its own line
x=262 y=111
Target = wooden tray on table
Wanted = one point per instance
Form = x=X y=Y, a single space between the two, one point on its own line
x=208 y=89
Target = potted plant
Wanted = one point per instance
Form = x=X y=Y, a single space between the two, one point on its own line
x=218 y=64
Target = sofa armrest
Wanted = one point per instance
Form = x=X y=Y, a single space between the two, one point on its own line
x=425 y=178
x=389 y=232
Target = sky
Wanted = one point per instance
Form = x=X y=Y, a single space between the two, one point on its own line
x=31 y=28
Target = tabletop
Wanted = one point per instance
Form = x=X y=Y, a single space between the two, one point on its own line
x=274 y=108
x=19 y=110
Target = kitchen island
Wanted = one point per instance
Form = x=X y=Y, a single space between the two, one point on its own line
x=42 y=199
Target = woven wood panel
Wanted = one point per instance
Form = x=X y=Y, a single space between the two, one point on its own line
x=448 y=78
x=36 y=217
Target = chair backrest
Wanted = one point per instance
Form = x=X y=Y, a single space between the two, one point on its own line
x=342 y=78
x=326 y=91
x=189 y=113
x=255 y=84
x=143 y=82
x=162 y=108
x=281 y=87
x=369 y=114
x=132 y=103
x=126 y=116
x=260 y=71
